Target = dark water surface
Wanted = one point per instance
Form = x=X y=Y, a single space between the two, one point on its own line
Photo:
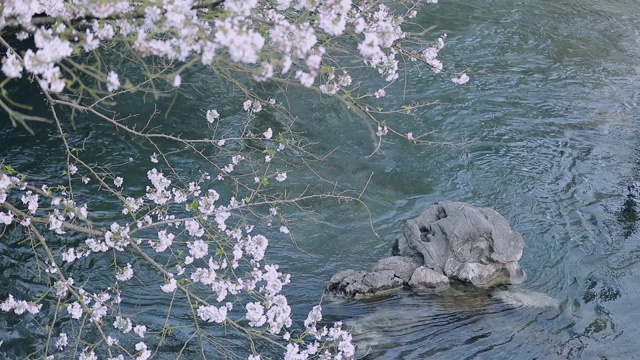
x=548 y=136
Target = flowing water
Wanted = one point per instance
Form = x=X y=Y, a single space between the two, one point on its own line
x=546 y=133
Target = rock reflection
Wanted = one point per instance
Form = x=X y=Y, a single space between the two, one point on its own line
x=599 y=292
x=461 y=321
x=628 y=214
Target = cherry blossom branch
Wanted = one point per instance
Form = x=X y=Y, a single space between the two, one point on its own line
x=50 y=20
x=214 y=259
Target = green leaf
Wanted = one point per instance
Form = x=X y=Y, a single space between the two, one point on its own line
x=194 y=205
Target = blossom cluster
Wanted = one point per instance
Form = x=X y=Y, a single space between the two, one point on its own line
x=180 y=30
x=214 y=267
x=19 y=306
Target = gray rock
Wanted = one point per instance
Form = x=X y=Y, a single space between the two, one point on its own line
x=381 y=280
x=341 y=276
x=358 y=284
x=340 y=281
x=402 y=267
x=448 y=241
x=516 y=274
x=466 y=243
x=425 y=278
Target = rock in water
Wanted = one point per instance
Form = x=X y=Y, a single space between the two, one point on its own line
x=464 y=242
x=448 y=241
x=425 y=278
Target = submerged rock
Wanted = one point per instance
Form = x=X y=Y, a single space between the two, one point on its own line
x=382 y=325
x=525 y=298
x=448 y=241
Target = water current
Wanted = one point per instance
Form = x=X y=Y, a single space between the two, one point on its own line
x=546 y=132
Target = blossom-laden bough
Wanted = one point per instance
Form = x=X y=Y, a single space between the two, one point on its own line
x=200 y=235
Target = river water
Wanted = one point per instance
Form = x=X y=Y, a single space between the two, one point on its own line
x=546 y=133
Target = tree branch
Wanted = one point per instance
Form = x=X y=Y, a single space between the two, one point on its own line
x=49 y=20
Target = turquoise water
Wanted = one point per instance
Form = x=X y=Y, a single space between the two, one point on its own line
x=546 y=133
